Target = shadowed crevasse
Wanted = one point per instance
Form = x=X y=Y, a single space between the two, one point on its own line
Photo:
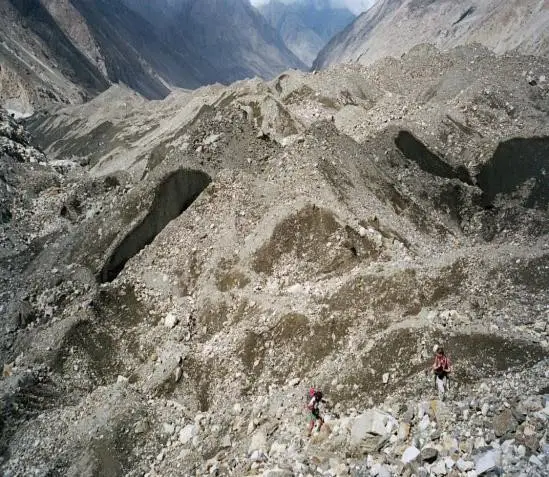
x=416 y=151
x=172 y=196
x=519 y=166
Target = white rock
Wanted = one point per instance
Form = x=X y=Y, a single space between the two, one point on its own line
x=464 y=465
x=425 y=423
x=371 y=422
x=177 y=374
x=485 y=409
x=294 y=382
x=187 y=433
x=226 y=442
x=403 y=431
x=535 y=460
x=410 y=454
x=212 y=138
x=362 y=231
x=122 y=379
x=487 y=461
x=385 y=378
x=257 y=442
x=439 y=468
x=379 y=470
x=168 y=428
x=257 y=456
x=171 y=320
x=450 y=463
x=479 y=442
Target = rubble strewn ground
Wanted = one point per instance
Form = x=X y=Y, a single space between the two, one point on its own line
x=333 y=228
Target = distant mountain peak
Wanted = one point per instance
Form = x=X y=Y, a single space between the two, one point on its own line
x=392 y=27
x=306 y=25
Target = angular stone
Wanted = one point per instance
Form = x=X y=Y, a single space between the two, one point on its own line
x=487 y=461
x=504 y=423
x=403 y=431
x=277 y=449
x=464 y=465
x=177 y=374
x=187 y=433
x=257 y=442
x=532 y=403
x=170 y=320
x=410 y=454
x=371 y=422
x=225 y=442
x=439 y=468
x=380 y=470
x=429 y=455
x=277 y=473
x=168 y=428
x=529 y=438
x=258 y=456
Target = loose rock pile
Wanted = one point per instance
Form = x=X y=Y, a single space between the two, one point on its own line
x=324 y=252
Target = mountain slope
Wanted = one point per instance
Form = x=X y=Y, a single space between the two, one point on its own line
x=306 y=25
x=392 y=27
x=69 y=50
x=230 y=34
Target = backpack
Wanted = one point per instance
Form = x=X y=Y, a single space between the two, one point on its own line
x=309 y=395
x=317 y=394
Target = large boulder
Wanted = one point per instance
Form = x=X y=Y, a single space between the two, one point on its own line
x=372 y=422
x=504 y=423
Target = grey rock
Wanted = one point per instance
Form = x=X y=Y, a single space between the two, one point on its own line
x=429 y=454
x=504 y=423
x=372 y=422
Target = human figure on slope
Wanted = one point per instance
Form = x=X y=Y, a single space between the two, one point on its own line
x=314 y=408
x=442 y=367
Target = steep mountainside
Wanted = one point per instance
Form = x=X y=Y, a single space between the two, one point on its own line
x=69 y=50
x=176 y=274
x=306 y=25
x=392 y=27
x=230 y=34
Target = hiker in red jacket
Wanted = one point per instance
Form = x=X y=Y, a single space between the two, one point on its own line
x=442 y=367
x=314 y=407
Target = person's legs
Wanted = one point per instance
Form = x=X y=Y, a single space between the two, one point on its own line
x=441 y=385
x=311 y=424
